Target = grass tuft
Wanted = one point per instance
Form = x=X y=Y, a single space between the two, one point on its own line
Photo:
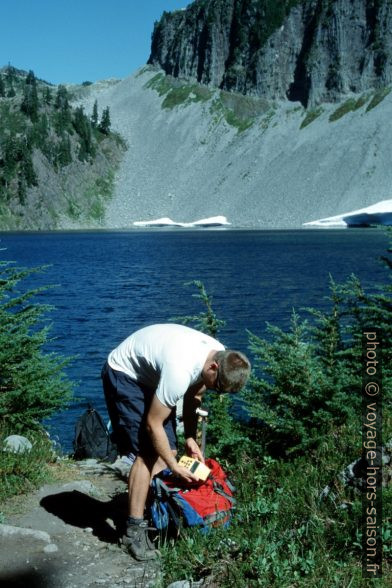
x=344 y=109
x=22 y=472
x=238 y=111
x=352 y=104
x=187 y=94
x=220 y=111
x=378 y=97
x=311 y=116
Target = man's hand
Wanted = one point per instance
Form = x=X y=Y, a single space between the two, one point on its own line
x=193 y=450
x=182 y=472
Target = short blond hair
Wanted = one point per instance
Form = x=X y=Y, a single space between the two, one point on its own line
x=234 y=369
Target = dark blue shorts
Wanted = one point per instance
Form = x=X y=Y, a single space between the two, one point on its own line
x=128 y=403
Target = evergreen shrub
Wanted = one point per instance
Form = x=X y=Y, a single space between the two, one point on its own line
x=33 y=384
x=309 y=380
x=228 y=440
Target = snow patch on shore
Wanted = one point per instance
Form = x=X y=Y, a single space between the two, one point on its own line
x=214 y=221
x=376 y=214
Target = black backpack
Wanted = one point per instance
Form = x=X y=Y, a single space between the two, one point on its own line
x=92 y=439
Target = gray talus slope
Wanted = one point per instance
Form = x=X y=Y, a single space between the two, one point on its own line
x=187 y=162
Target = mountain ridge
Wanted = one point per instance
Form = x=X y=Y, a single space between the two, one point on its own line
x=264 y=160
x=311 y=51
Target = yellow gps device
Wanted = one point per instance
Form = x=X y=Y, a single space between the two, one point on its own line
x=195 y=467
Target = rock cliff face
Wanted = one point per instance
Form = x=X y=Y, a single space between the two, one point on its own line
x=310 y=51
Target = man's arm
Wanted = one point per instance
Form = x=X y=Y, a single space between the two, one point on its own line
x=157 y=414
x=192 y=401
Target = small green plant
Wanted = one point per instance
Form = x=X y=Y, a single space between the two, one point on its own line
x=73 y=210
x=96 y=196
x=142 y=71
x=22 y=472
x=97 y=211
x=266 y=120
x=311 y=116
x=160 y=83
x=347 y=106
x=104 y=185
x=240 y=124
x=207 y=321
x=186 y=95
x=219 y=111
x=361 y=101
x=296 y=396
x=378 y=97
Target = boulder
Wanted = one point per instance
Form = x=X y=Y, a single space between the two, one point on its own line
x=17 y=444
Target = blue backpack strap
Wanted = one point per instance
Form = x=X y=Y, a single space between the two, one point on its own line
x=230 y=485
x=159 y=507
x=162 y=488
x=216 y=516
x=173 y=515
x=162 y=510
x=218 y=488
x=159 y=513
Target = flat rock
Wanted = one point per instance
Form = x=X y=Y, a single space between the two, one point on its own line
x=67 y=536
x=8 y=532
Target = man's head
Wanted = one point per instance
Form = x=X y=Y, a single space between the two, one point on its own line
x=226 y=371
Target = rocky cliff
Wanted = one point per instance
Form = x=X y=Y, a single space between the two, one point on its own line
x=310 y=51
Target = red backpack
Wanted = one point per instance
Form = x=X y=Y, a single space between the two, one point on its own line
x=205 y=504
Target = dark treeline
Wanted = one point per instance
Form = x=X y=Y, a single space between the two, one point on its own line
x=36 y=116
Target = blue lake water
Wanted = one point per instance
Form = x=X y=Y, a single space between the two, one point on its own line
x=112 y=283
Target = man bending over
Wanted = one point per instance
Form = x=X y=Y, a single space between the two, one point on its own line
x=143 y=379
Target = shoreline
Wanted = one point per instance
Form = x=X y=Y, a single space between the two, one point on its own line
x=135 y=230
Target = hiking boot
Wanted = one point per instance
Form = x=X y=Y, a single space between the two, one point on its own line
x=137 y=542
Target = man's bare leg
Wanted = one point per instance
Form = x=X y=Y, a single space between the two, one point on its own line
x=136 y=539
x=139 y=482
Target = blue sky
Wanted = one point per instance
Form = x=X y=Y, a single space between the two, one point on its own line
x=71 y=41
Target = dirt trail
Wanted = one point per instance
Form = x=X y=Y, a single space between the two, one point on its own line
x=67 y=535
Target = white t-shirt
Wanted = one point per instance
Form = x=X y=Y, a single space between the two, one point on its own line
x=168 y=358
